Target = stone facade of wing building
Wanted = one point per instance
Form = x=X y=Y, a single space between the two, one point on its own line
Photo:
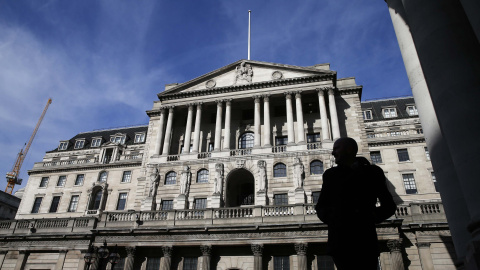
x=225 y=176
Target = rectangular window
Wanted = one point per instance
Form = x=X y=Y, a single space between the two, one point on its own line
x=412 y=110
x=167 y=205
x=139 y=138
x=367 y=115
x=200 y=203
x=281 y=140
x=120 y=264
x=79 y=180
x=281 y=263
x=182 y=149
x=190 y=263
x=79 y=144
x=63 y=146
x=427 y=153
x=314 y=137
x=434 y=179
x=315 y=196
x=127 y=176
x=96 y=142
x=210 y=147
x=54 y=205
x=72 y=207
x=389 y=112
x=61 y=180
x=153 y=263
x=280 y=199
x=403 y=155
x=409 y=182
x=43 y=182
x=376 y=157
x=122 y=200
x=36 y=205
x=325 y=263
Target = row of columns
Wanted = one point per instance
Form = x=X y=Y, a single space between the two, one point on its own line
x=166 y=138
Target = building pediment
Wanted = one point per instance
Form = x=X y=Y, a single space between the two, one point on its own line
x=245 y=72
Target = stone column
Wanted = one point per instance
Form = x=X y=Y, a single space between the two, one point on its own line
x=196 y=134
x=61 y=259
x=81 y=261
x=158 y=144
x=188 y=130
x=256 y=123
x=167 y=258
x=129 y=261
x=257 y=250
x=228 y=119
x=301 y=249
x=168 y=133
x=266 y=122
x=323 y=115
x=95 y=263
x=21 y=260
x=395 y=247
x=290 y=128
x=206 y=252
x=450 y=191
x=300 y=129
x=333 y=114
x=425 y=256
x=218 y=126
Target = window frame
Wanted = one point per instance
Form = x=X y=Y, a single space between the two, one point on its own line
x=77 y=180
x=244 y=140
x=427 y=153
x=122 y=201
x=367 y=114
x=126 y=178
x=100 y=177
x=434 y=180
x=96 y=142
x=313 y=137
x=378 y=159
x=169 y=204
x=315 y=196
x=139 y=137
x=202 y=176
x=61 y=184
x=410 y=108
x=409 y=184
x=312 y=167
x=73 y=203
x=277 y=170
x=283 y=260
x=392 y=112
x=79 y=144
x=37 y=203
x=281 y=197
x=42 y=183
x=169 y=176
x=52 y=204
x=190 y=263
x=399 y=155
x=281 y=140
x=63 y=146
x=203 y=205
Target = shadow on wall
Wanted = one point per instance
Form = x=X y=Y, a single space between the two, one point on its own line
x=392 y=189
x=342 y=106
x=448 y=242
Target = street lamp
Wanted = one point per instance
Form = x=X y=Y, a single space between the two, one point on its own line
x=114 y=257
x=89 y=256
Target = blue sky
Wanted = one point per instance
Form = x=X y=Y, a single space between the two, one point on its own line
x=103 y=62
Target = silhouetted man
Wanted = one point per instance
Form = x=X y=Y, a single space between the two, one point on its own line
x=347 y=204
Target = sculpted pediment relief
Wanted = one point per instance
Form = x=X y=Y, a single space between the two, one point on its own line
x=246 y=72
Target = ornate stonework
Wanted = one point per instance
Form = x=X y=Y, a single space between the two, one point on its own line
x=210 y=84
x=243 y=73
x=167 y=251
x=257 y=249
x=395 y=245
x=277 y=75
x=206 y=250
x=301 y=248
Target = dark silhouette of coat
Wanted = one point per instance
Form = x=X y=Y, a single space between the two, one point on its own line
x=347 y=204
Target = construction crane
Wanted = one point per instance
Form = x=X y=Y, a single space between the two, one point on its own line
x=12 y=177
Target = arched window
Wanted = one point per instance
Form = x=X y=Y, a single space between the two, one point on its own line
x=102 y=177
x=246 y=140
x=171 y=178
x=316 y=167
x=202 y=176
x=97 y=199
x=280 y=170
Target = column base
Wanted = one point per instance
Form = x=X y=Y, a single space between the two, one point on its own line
x=299 y=196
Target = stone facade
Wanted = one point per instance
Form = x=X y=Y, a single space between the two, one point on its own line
x=241 y=194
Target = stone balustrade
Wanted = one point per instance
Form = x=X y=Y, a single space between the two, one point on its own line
x=421 y=212
x=279 y=149
x=94 y=160
x=314 y=145
x=204 y=155
x=240 y=152
x=48 y=225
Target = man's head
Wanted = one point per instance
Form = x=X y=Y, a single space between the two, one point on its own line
x=344 y=150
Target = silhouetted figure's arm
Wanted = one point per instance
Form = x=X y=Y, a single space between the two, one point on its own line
x=387 y=206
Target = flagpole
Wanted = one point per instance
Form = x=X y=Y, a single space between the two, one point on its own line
x=249 y=34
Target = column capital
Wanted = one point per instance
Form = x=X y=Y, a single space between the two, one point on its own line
x=257 y=98
x=219 y=102
x=228 y=101
x=266 y=97
x=298 y=94
x=331 y=91
x=257 y=249
x=167 y=251
x=130 y=251
x=395 y=245
x=301 y=248
x=288 y=95
x=320 y=91
x=190 y=105
x=423 y=245
x=206 y=250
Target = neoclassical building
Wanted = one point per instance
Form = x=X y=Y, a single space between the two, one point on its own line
x=225 y=176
